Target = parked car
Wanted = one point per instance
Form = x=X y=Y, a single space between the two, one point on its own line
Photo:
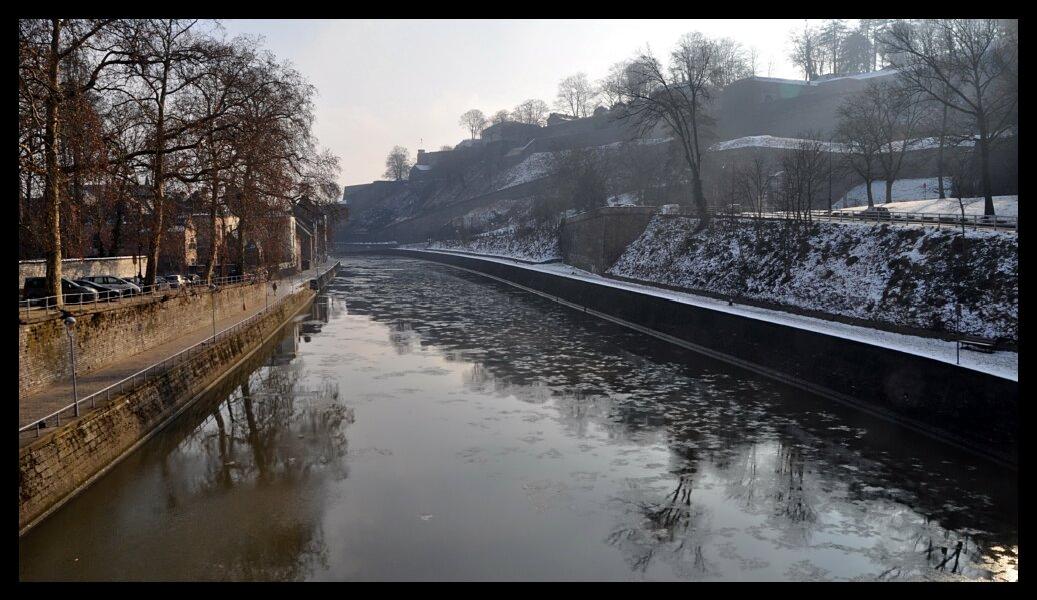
x=125 y=288
x=160 y=284
x=73 y=293
x=174 y=280
x=104 y=294
x=874 y=212
x=193 y=279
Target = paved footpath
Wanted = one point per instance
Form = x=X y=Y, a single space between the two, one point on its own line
x=47 y=400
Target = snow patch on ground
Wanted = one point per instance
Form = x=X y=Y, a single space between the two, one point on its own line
x=769 y=141
x=533 y=167
x=1004 y=206
x=624 y=199
x=903 y=189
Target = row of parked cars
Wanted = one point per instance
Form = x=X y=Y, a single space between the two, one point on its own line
x=99 y=288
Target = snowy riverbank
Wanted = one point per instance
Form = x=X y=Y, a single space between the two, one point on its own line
x=1000 y=364
x=901 y=276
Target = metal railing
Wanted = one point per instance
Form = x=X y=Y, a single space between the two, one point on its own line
x=46 y=305
x=156 y=370
x=938 y=220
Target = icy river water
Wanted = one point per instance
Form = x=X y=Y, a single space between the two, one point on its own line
x=423 y=422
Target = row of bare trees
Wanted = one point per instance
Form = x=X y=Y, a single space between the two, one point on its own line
x=838 y=48
x=139 y=109
x=576 y=98
x=956 y=80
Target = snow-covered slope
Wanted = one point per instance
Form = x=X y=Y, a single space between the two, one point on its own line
x=896 y=275
x=534 y=245
x=903 y=189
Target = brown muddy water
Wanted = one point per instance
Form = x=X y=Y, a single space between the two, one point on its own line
x=426 y=423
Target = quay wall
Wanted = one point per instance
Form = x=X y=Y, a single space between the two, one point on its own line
x=971 y=409
x=102 y=336
x=56 y=467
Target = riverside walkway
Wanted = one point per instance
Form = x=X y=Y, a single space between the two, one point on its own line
x=51 y=398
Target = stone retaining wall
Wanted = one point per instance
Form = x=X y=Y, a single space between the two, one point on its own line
x=593 y=240
x=102 y=337
x=57 y=466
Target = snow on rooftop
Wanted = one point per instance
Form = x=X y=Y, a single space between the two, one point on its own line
x=1002 y=364
x=821 y=81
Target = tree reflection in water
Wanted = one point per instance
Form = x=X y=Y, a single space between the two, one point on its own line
x=264 y=451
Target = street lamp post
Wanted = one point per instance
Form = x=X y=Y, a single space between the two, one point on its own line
x=212 y=298
x=69 y=322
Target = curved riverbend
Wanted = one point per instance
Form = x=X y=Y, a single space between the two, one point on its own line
x=427 y=423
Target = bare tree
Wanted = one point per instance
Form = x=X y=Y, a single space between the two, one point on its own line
x=751 y=178
x=397 y=164
x=807 y=52
x=611 y=86
x=168 y=58
x=856 y=131
x=474 y=121
x=898 y=114
x=500 y=116
x=45 y=47
x=575 y=96
x=804 y=171
x=968 y=65
x=679 y=95
x=531 y=112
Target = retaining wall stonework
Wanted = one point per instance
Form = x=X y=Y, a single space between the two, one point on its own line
x=592 y=241
x=106 y=335
x=57 y=466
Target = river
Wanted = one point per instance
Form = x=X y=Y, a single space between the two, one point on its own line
x=422 y=422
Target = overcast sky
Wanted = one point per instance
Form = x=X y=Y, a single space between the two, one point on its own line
x=406 y=82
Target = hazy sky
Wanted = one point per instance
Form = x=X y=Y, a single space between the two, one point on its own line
x=406 y=82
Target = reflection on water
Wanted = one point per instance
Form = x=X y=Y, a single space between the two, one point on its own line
x=495 y=435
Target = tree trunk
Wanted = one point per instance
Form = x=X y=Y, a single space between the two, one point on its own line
x=984 y=158
x=871 y=199
x=939 y=156
x=155 y=239
x=120 y=210
x=213 y=232
x=241 y=229
x=159 y=191
x=52 y=179
x=889 y=190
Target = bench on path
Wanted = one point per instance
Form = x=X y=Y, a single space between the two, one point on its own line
x=979 y=344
